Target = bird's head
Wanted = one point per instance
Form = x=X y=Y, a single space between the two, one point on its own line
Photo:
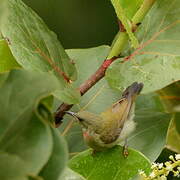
x=87 y=119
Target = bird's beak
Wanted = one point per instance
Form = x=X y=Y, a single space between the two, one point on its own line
x=71 y=113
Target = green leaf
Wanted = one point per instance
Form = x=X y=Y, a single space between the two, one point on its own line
x=69 y=174
x=3 y=78
x=36 y=47
x=33 y=45
x=1 y=13
x=130 y=7
x=30 y=141
x=150 y=134
x=147 y=70
x=57 y=162
x=26 y=141
x=109 y=164
x=125 y=21
x=21 y=92
x=44 y=109
x=10 y=167
x=152 y=122
x=156 y=62
x=69 y=95
x=7 y=61
x=152 y=126
x=34 y=178
x=170 y=97
x=173 y=137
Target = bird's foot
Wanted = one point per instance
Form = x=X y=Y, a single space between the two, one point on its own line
x=125 y=149
x=94 y=152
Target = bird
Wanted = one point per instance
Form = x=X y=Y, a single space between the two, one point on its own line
x=112 y=126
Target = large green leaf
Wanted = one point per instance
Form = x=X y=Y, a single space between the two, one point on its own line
x=156 y=62
x=3 y=78
x=57 y=162
x=26 y=141
x=152 y=126
x=71 y=175
x=33 y=45
x=31 y=141
x=12 y=167
x=7 y=61
x=35 y=178
x=150 y=134
x=20 y=92
x=173 y=138
x=109 y=164
x=36 y=47
x=170 y=96
x=152 y=122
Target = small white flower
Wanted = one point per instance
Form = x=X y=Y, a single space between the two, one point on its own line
x=176 y=173
x=153 y=165
x=163 y=178
x=152 y=175
x=141 y=171
x=171 y=157
x=177 y=156
x=168 y=163
x=160 y=165
x=169 y=167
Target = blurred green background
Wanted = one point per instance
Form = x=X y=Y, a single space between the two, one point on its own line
x=78 y=23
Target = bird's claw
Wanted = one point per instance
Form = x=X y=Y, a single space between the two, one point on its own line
x=125 y=150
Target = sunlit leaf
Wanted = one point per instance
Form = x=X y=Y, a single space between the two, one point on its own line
x=71 y=175
x=109 y=164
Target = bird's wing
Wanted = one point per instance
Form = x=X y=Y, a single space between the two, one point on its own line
x=114 y=118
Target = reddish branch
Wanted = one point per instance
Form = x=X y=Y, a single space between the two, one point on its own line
x=99 y=74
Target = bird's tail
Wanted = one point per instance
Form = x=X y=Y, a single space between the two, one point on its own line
x=133 y=90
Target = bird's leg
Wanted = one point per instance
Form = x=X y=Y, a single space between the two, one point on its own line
x=125 y=149
x=94 y=152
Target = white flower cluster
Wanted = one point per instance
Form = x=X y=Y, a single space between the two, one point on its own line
x=160 y=171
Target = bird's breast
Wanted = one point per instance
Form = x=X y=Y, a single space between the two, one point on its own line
x=94 y=141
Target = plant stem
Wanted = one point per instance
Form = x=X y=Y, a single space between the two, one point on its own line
x=117 y=47
x=140 y=14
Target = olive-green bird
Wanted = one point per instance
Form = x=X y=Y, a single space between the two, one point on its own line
x=113 y=125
